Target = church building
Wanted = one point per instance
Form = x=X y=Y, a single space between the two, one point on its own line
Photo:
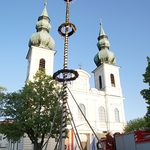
x=102 y=105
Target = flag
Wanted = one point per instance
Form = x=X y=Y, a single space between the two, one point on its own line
x=94 y=144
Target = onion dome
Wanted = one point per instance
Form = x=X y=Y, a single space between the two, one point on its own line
x=41 y=38
x=104 y=55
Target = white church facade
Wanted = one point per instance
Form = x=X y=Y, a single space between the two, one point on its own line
x=102 y=105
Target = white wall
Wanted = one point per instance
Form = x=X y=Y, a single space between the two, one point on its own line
x=34 y=55
x=93 y=99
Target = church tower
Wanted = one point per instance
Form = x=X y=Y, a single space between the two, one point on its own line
x=107 y=80
x=107 y=72
x=41 y=47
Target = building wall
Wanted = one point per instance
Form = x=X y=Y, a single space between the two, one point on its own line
x=3 y=142
x=93 y=99
x=105 y=70
x=34 y=55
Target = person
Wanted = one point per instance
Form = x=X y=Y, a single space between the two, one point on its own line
x=110 y=144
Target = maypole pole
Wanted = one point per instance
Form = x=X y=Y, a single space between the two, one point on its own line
x=64 y=75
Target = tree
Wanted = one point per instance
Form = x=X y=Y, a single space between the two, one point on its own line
x=32 y=110
x=135 y=124
x=2 y=89
x=146 y=92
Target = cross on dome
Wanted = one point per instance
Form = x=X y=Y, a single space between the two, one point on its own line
x=45 y=2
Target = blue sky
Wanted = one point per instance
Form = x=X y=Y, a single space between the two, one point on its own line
x=127 y=24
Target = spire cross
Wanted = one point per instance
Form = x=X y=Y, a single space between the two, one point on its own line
x=80 y=66
x=100 y=21
x=45 y=2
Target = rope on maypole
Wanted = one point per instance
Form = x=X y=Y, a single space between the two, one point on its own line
x=64 y=75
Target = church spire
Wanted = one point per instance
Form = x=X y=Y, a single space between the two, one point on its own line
x=41 y=37
x=102 y=32
x=41 y=47
x=45 y=13
x=104 y=55
x=103 y=41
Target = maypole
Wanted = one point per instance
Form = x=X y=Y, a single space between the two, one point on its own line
x=64 y=75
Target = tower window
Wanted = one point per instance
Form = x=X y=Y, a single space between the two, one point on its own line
x=80 y=116
x=42 y=64
x=102 y=116
x=100 y=82
x=117 y=118
x=112 y=79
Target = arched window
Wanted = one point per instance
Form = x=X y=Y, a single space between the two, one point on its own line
x=112 y=79
x=102 y=115
x=80 y=116
x=100 y=82
x=42 y=64
x=117 y=118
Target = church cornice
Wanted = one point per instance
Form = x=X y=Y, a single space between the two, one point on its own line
x=103 y=65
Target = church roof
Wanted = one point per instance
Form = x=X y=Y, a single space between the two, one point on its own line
x=104 y=55
x=41 y=38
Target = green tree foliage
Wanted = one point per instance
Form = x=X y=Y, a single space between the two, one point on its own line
x=2 y=89
x=146 y=92
x=32 y=111
x=135 y=124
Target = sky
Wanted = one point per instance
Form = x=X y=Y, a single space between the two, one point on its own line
x=126 y=23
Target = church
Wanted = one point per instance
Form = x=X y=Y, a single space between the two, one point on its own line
x=103 y=105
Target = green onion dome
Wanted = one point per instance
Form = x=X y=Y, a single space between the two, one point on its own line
x=41 y=38
x=104 y=55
